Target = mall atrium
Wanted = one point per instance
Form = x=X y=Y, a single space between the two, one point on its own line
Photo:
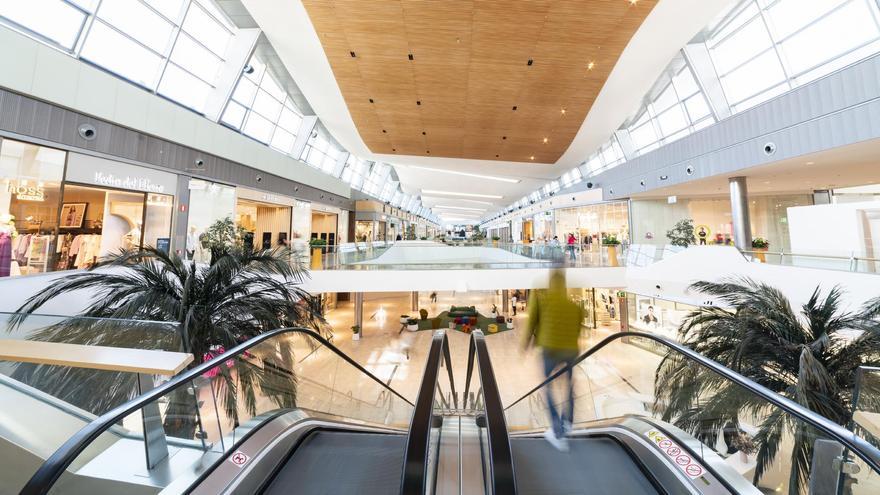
x=440 y=247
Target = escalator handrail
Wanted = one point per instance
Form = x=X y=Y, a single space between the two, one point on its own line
x=49 y=472
x=418 y=440
x=861 y=447
x=500 y=452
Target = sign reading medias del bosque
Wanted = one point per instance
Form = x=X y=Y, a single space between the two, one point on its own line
x=128 y=182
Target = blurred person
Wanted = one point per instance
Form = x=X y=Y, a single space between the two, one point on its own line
x=555 y=324
x=572 y=242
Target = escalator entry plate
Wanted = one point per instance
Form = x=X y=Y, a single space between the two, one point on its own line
x=682 y=460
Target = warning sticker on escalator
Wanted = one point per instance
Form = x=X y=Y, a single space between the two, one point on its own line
x=239 y=458
x=683 y=461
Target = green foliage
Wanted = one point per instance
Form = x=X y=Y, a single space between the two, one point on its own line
x=222 y=235
x=317 y=243
x=356 y=329
x=496 y=238
x=610 y=240
x=241 y=295
x=682 y=234
x=809 y=356
x=760 y=243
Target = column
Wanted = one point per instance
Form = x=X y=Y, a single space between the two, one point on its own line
x=359 y=311
x=822 y=197
x=739 y=208
x=505 y=301
x=623 y=307
x=415 y=300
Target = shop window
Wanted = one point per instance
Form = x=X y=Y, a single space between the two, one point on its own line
x=31 y=191
x=208 y=203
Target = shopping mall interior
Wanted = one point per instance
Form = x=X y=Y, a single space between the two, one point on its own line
x=440 y=247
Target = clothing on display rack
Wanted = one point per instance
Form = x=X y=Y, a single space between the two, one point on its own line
x=5 y=253
x=80 y=251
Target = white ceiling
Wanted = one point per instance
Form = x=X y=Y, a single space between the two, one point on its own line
x=670 y=26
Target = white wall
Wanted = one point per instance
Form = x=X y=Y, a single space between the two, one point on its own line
x=841 y=229
x=35 y=69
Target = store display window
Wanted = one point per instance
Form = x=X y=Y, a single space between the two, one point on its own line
x=324 y=226
x=363 y=231
x=96 y=222
x=208 y=203
x=31 y=177
x=590 y=224
x=657 y=316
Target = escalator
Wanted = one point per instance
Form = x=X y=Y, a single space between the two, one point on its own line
x=627 y=437
x=283 y=412
x=287 y=412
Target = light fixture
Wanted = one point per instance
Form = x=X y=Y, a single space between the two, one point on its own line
x=562 y=111
x=466 y=174
x=532 y=157
x=811 y=163
x=459 y=208
x=545 y=140
x=591 y=65
x=465 y=195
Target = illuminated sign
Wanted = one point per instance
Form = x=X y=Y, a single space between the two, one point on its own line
x=128 y=182
x=26 y=193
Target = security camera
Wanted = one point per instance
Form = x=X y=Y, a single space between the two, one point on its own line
x=589 y=185
x=769 y=148
x=87 y=132
x=642 y=183
x=314 y=134
x=200 y=163
x=552 y=193
x=259 y=178
x=248 y=69
x=689 y=170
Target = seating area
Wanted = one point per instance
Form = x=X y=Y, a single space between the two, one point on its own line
x=464 y=319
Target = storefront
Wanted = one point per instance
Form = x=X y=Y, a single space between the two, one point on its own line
x=713 y=220
x=363 y=231
x=542 y=226
x=108 y=206
x=657 y=316
x=30 y=199
x=595 y=221
x=325 y=223
x=265 y=217
x=209 y=203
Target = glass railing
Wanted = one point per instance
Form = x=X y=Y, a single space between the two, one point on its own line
x=428 y=255
x=169 y=437
x=707 y=417
x=825 y=262
x=866 y=404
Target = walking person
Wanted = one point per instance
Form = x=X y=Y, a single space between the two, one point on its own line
x=555 y=325
x=513 y=300
x=572 y=241
x=434 y=297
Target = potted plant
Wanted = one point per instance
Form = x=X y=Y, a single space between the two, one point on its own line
x=423 y=314
x=356 y=332
x=495 y=240
x=412 y=324
x=404 y=318
x=610 y=242
x=494 y=311
x=509 y=323
x=682 y=233
x=221 y=237
x=760 y=245
x=317 y=246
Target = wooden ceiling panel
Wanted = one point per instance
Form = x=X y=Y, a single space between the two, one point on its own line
x=469 y=69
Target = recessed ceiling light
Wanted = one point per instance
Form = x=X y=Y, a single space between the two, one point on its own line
x=458 y=208
x=591 y=65
x=423 y=133
x=811 y=163
x=418 y=102
x=532 y=157
x=467 y=174
x=352 y=54
x=503 y=137
x=410 y=56
x=464 y=195
x=529 y=62
x=545 y=140
x=562 y=111
x=514 y=108
x=371 y=100
x=384 y=131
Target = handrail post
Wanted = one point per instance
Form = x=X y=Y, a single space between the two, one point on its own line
x=155 y=443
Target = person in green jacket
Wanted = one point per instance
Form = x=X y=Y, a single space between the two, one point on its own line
x=555 y=325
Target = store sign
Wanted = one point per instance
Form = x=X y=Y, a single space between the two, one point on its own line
x=127 y=182
x=26 y=193
x=87 y=169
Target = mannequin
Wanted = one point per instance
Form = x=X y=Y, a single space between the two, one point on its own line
x=7 y=233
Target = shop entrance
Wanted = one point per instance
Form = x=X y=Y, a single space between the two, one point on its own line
x=527 y=231
x=266 y=225
x=95 y=222
x=324 y=226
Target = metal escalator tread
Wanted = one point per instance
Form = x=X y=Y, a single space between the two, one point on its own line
x=593 y=465
x=335 y=462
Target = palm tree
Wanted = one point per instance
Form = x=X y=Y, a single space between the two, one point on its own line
x=809 y=356
x=240 y=295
